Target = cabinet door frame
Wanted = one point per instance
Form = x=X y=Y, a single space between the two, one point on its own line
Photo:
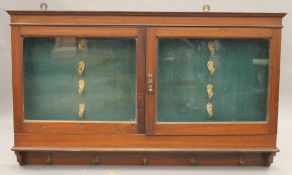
x=76 y=127
x=213 y=128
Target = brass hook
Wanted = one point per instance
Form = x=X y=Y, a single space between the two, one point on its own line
x=210 y=91
x=81 y=67
x=209 y=108
x=82 y=45
x=81 y=84
x=81 y=110
x=145 y=160
x=95 y=160
x=212 y=48
x=193 y=160
x=241 y=161
x=49 y=159
x=211 y=67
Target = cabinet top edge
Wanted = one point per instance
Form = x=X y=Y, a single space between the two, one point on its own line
x=141 y=13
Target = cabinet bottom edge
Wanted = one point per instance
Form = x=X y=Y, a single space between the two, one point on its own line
x=145 y=158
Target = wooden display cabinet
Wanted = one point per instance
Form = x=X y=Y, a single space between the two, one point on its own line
x=145 y=88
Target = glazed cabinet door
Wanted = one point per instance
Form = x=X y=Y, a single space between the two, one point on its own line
x=81 y=79
x=211 y=81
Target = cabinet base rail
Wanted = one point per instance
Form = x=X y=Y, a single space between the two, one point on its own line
x=139 y=156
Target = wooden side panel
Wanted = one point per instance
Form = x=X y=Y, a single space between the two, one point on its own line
x=17 y=78
x=274 y=80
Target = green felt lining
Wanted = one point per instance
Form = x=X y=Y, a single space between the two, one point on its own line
x=240 y=80
x=51 y=79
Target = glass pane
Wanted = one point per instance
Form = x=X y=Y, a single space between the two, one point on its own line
x=235 y=72
x=54 y=66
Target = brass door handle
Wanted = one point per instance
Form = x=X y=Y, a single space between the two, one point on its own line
x=81 y=67
x=209 y=108
x=150 y=83
x=210 y=91
x=81 y=85
x=81 y=110
x=211 y=67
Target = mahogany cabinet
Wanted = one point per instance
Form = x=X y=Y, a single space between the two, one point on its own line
x=145 y=88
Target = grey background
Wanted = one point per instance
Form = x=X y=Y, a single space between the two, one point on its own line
x=283 y=161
